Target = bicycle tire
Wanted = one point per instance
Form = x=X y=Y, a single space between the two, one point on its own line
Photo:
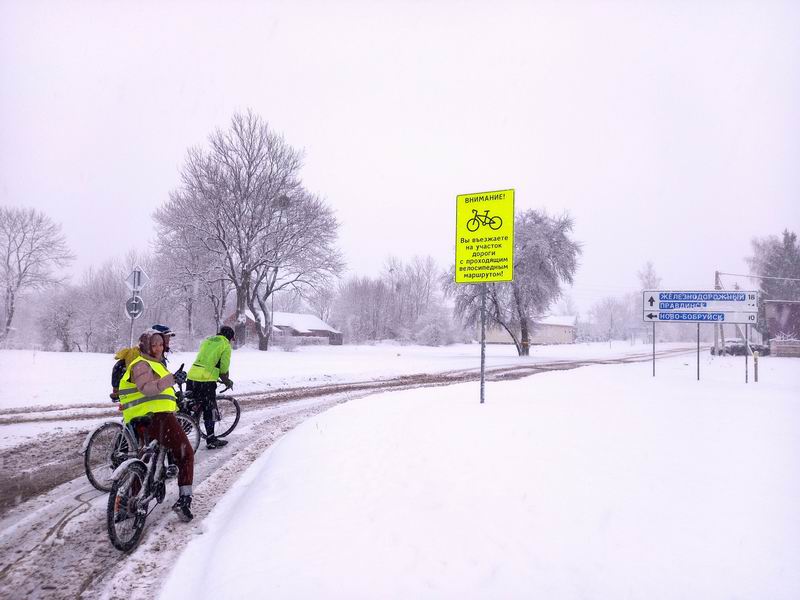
x=230 y=406
x=229 y=412
x=190 y=427
x=108 y=447
x=120 y=492
x=476 y=222
x=495 y=223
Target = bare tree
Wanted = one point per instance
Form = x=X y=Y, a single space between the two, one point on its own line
x=648 y=278
x=299 y=255
x=31 y=247
x=58 y=315
x=777 y=261
x=242 y=203
x=611 y=318
x=321 y=300
x=361 y=309
x=194 y=276
x=544 y=257
x=566 y=306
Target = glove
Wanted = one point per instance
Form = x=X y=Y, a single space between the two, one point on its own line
x=227 y=381
x=180 y=377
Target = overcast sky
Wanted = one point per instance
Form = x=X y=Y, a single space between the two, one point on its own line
x=670 y=131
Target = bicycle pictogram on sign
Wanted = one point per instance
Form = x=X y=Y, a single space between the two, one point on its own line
x=479 y=219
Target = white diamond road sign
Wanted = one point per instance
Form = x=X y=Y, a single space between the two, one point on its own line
x=703 y=306
x=137 y=279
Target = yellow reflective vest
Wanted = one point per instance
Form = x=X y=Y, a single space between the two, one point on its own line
x=136 y=404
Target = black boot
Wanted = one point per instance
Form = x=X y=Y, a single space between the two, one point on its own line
x=183 y=508
x=214 y=442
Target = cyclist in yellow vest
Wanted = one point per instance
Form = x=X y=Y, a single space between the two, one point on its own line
x=125 y=356
x=213 y=362
x=145 y=390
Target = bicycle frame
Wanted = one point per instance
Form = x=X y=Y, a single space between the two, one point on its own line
x=483 y=218
x=152 y=459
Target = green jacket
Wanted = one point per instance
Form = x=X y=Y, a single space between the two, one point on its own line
x=213 y=359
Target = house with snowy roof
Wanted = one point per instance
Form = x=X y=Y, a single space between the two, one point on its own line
x=300 y=325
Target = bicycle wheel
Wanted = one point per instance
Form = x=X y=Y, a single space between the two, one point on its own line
x=108 y=448
x=473 y=224
x=190 y=427
x=495 y=223
x=124 y=517
x=229 y=411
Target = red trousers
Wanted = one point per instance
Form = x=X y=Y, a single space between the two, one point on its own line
x=165 y=428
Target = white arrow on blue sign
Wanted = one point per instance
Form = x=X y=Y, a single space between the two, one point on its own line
x=740 y=318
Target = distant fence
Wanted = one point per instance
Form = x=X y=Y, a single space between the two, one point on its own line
x=785 y=348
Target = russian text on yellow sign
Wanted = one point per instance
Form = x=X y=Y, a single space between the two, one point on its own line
x=485 y=237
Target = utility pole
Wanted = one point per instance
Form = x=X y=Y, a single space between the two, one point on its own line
x=716 y=325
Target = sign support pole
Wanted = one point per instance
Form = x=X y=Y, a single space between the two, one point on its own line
x=483 y=337
x=746 y=348
x=135 y=292
x=698 y=352
x=654 y=348
x=484 y=248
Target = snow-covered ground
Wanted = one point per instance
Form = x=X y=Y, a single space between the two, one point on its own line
x=55 y=378
x=601 y=482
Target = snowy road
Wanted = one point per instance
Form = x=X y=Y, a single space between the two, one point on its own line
x=53 y=540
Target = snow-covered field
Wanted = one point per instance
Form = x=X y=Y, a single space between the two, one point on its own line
x=601 y=482
x=54 y=378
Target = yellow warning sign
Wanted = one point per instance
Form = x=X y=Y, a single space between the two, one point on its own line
x=485 y=237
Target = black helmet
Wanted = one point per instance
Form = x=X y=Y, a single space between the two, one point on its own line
x=227 y=332
x=163 y=330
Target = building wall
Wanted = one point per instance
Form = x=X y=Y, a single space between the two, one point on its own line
x=544 y=334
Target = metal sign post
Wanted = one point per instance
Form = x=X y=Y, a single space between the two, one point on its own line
x=698 y=352
x=135 y=308
x=654 y=348
x=746 y=349
x=483 y=337
x=484 y=247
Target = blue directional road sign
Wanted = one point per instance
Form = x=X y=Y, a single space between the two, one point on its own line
x=704 y=306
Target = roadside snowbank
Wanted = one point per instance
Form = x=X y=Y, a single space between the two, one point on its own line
x=55 y=378
x=600 y=482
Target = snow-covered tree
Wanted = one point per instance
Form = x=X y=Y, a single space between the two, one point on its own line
x=612 y=318
x=32 y=247
x=648 y=279
x=405 y=299
x=242 y=202
x=777 y=260
x=58 y=319
x=361 y=309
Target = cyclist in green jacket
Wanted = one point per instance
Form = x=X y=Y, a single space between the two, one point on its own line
x=213 y=362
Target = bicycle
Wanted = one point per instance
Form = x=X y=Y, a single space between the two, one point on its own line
x=112 y=443
x=227 y=412
x=477 y=220
x=135 y=484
